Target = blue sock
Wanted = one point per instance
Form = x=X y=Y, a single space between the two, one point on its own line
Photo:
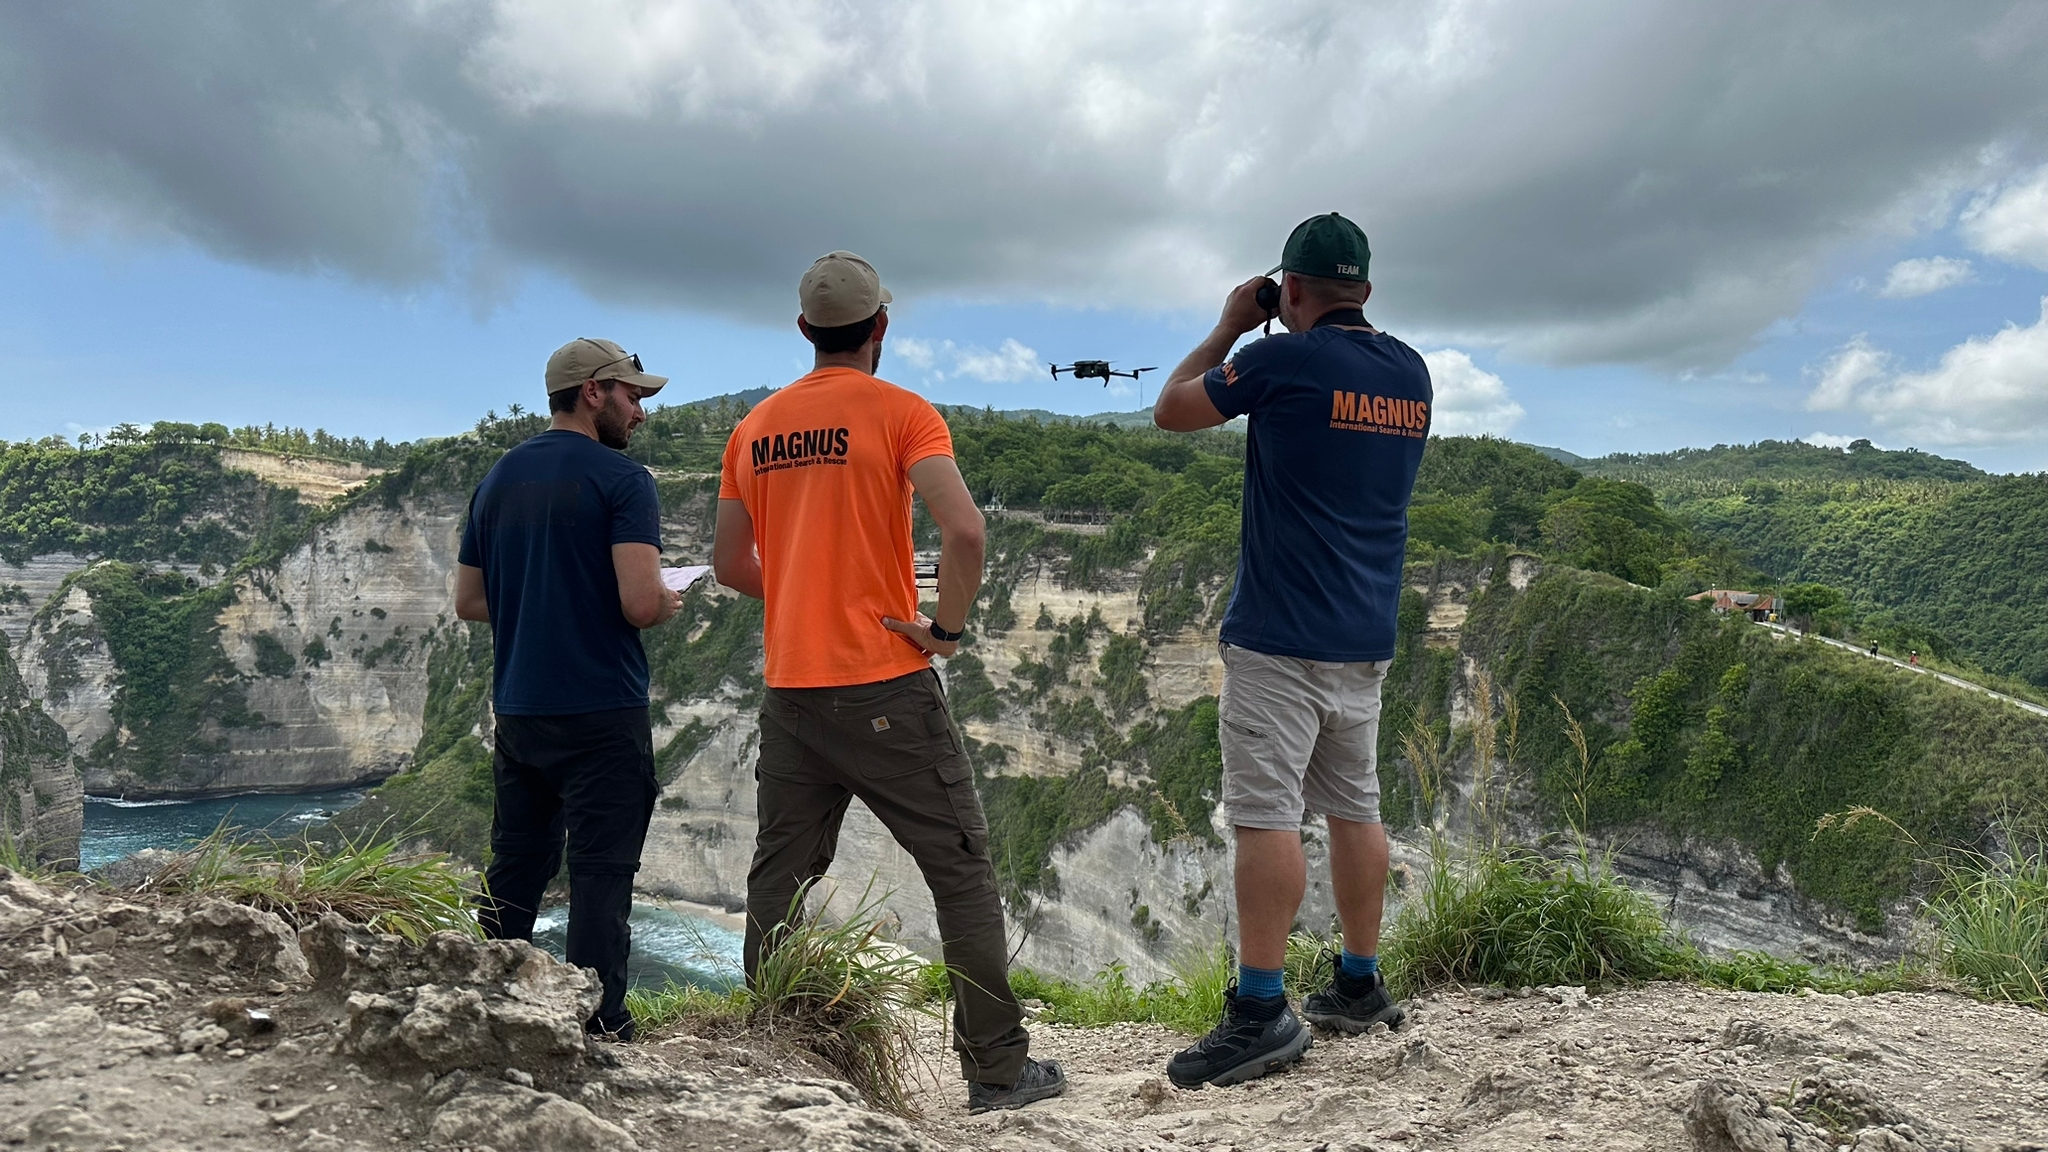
x=1359 y=967
x=1260 y=983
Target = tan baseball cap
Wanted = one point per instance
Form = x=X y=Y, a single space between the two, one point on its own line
x=586 y=359
x=841 y=289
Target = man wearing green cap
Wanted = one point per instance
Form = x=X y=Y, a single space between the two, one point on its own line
x=1339 y=413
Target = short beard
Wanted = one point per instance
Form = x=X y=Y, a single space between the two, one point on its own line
x=614 y=428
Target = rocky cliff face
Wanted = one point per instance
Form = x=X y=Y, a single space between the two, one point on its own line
x=326 y=646
x=329 y=647
x=1124 y=896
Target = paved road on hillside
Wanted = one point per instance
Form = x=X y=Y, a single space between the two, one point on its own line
x=1895 y=662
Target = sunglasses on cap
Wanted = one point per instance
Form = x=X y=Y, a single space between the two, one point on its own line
x=632 y=356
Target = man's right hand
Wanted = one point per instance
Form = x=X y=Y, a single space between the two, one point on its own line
x=919 y=633
x=671 y=603
x=1241 y=311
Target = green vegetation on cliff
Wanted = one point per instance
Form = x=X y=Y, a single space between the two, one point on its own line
x=1931 y=553
x=142 y=501
x=1708 y=726
x=178 y=692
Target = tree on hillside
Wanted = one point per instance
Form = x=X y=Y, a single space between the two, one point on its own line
x=1613 y=527
x=1806 y=603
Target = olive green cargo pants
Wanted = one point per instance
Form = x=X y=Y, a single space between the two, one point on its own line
x=892 y=744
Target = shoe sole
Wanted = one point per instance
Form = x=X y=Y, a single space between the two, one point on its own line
x=1020 y=1099
x=1257 y=1066
x=1393 y=1016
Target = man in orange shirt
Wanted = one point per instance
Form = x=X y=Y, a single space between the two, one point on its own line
x=814 y=519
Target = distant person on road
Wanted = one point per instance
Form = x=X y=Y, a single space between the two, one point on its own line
x=1916 y=657
x=814 y=518
x=1339 y=413
x=561 y=555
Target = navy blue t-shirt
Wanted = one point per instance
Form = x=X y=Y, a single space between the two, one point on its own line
x=542 y=526
x=1339 y=418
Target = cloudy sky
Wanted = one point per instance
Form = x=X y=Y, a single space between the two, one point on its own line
x=1608 y=226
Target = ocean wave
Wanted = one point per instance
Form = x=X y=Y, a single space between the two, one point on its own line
x=118 y=802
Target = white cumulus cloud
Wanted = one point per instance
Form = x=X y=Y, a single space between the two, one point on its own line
x=2011 y=222
x=1469 y=399
x=1853 y=365
x=1910 y=278
x=919 y=354
x=1986 y=390
x=1008 y=363
x=1833 y=440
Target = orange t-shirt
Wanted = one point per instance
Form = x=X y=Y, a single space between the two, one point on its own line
x=823 y=467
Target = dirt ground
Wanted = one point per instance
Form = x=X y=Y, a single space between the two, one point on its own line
x=180 y=1026
x=1551 y=1071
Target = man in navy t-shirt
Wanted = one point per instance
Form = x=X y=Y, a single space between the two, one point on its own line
x=1339 y=413
x=561 y=555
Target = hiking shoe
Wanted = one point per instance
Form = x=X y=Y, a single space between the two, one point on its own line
x=1042 y=1080
x=1352 y=1004
x=1255 y=1037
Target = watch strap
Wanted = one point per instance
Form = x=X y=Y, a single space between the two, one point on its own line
x=945 y=637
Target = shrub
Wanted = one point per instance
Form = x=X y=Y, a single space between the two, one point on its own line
x=1521 y=919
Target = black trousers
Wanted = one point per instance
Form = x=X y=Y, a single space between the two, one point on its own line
x=892 y=744
x=586 y=779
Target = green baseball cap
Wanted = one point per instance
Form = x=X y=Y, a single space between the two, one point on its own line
x=1329 y=246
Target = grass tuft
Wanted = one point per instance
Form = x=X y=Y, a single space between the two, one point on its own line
x=1517 y=919
x=364 y=880
x=834 y=987
x=686 y=1005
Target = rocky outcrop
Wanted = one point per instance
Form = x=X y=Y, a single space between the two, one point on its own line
x=450 y=1002
x=194 y=1023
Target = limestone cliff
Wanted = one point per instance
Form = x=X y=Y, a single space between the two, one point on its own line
x=1119 y=891
x=322 y=650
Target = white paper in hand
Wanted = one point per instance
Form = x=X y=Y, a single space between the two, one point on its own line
x=680 y=579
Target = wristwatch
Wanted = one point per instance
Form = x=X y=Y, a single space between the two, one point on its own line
x=945 y=637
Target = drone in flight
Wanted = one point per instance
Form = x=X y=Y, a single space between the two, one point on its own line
x=1095 y=370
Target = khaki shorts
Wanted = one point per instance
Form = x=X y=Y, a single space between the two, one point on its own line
x=1299 y=736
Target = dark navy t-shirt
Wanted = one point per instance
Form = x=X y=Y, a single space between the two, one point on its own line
x=542 y=526
x=1338 y=421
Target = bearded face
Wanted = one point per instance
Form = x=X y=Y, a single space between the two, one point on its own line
x=615 y=422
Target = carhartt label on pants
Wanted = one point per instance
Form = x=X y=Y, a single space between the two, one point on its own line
x=881 y=723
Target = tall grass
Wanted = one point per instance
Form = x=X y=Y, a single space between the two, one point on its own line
x=1516 y=918
x=1488 y=912
x=833 y=986
x=363 y=879
x=1989 y=913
